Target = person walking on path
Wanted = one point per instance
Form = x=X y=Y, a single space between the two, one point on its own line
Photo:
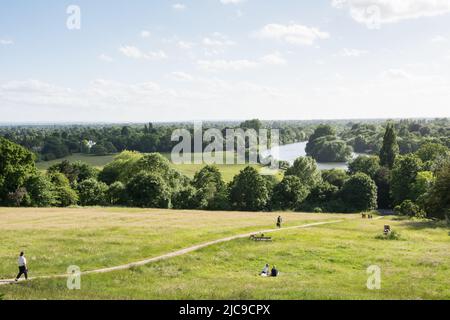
x=22 y=261
x=279 y=221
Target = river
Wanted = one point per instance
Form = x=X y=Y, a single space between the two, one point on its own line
x=292 y=151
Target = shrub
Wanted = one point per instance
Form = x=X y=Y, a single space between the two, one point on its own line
x=409 y=208
x=393 y=235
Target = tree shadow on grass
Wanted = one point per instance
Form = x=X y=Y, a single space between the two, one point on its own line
x=424 y=224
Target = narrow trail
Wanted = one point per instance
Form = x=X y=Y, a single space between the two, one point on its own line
x=172 y=254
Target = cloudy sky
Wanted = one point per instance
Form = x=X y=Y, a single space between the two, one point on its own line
x=107 y=61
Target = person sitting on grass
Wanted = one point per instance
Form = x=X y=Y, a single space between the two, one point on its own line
x=265 y=271
x=274 y=272
x=22 y=261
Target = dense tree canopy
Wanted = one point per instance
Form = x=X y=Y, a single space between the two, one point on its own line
x=248 y=191
x=359 y=193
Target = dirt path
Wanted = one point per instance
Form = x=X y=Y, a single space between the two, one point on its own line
x=173 y=254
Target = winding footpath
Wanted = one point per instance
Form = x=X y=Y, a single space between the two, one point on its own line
x=172 y=254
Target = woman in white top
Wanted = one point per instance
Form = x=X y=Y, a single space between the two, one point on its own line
x=22 y=261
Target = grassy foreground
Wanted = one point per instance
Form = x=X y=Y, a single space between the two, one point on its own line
x=321 y=262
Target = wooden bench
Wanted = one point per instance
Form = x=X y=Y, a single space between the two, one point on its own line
x=260 y=238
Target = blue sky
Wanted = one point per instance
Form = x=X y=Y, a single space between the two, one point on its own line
x=224 y=59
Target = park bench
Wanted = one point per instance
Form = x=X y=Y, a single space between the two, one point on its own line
x=260 y=238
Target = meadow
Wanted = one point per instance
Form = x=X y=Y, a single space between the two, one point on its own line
x=320 y=262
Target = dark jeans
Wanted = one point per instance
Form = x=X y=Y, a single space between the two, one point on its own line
x=22 y=270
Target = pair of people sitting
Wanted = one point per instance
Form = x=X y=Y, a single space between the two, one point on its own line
x=269 y=273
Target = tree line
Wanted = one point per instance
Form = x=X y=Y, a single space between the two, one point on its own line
x=415 y=184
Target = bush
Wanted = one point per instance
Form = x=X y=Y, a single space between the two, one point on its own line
x=117 y=194
x=393 y=235
x=409 y=208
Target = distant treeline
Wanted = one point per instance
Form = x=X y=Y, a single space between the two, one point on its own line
x=414 y=183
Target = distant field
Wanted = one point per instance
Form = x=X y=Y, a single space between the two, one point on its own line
x=321 y=262
x=96 y=161
x=228 y=171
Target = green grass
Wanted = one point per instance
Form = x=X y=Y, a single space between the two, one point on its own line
x=322 y=262
x=95 y=161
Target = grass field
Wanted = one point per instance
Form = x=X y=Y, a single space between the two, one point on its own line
x=321 y=262
x=228 y=171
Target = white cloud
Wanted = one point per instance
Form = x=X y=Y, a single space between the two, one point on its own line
x=5 y=42
x=105 y=58
x=145 y=34
x=181 y=76
x=209 y=42
x=292 y=33
x=136 y=53
x=376 y=12
x=179 y=6
x=396 y=74
x=346 y=52
x=438 y=39
x=242 y=64
x=185 y=45
x=231 y=1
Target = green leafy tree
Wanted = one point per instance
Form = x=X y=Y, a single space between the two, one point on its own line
x=117 y=194
x=359 y=193
x=148 y=190
x=306 y=169
x=248 y=191
x=289 y=193
x=403 y=177
x=211 y=190
x=390 y=148
x=365 y=164
x=335 y=177
x=92 y=193
x=185 y=198
x=431 y=151
x=64 y=195
x=437 y=200
x=383 y=181
x=322 y=198
x=40 y=191
x=409 y=208
x=16 y=164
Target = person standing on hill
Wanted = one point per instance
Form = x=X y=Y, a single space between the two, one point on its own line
x=279 y=221
x=22 y=261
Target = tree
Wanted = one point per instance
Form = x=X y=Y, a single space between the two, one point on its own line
x=16 y=164
x=210 y=189
x=248 y=191
x=117 y=194
x=289 y=193
x=383 y=181
x=148 y=190
x=335 y=177
x=251 y=124
x=437 y=200
x=403 y=177
x=99 y=150
x=365 y=164
x=306 y=169
x=359 y=193
x=185 y=198
x=64 y=195
x=40 y=191
x=322 y=198
x=329 y=149
x=92 y=193
x=409 y=208
x=431 y=151
x=390 y=148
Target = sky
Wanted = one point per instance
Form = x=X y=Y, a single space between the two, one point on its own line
x=184 y=60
